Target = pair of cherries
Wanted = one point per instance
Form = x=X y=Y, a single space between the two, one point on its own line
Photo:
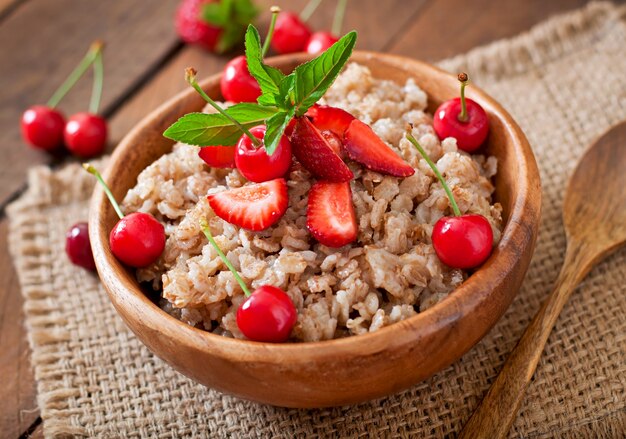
x=137 y=239
x=85 y=133
x=287 y=33
x=293 y=35
x=460 y=241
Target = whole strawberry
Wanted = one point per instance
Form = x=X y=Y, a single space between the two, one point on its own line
x=216 y=25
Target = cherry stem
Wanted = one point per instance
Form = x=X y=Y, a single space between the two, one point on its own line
x=190 y=77
x=77 y=73
x=340 y=12
x=98 y=81
x=107 y=191
x=413 y=140
x=309 y=9
x=463 y=78
x=270 y=33
x=207 y=232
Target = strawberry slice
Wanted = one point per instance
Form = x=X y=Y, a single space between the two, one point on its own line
x=254 y=207
x=334 y=141
x=218 y=156
x=315 y=154
x=325 y=117
x=330 y=214
x=364 y=146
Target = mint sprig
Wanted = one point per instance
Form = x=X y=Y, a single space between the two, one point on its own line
x=283 y=97
x=232 y=16
x=215 y=129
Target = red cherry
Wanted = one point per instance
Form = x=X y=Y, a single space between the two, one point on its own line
x=192 y=29
x=237 y=84
x=86 y=135
x=462 y=241
x=290 y=34
x=42 y=127
x=470 y=129
x=255 y=164
x=218 y=156
x=469 y=135
x=137 y=240
x=268 y=315
x=78 y=246
x=319 y=42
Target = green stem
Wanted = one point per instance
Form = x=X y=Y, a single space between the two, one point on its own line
x=107 y=191
x=455 y=207
x=190 y=76
x=98 y=81
x=79 y=71
x=270 y=33
x=340 y=12
x=309 y=9
x=205 y=229
x=463 y=115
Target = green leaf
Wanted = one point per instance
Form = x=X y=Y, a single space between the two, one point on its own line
x=316 y=76
x=275 y=128
x=269 y=78
x=232 y=16
x=216 y=129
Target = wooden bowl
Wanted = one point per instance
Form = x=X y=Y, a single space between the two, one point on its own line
x=347 y=370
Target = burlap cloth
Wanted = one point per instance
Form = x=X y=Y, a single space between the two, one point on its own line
x=565 y=83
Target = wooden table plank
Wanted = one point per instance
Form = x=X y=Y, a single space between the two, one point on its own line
x=18 y=405
x=449 y=27
x=41 y=43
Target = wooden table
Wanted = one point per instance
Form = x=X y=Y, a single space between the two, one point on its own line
x=41 y=40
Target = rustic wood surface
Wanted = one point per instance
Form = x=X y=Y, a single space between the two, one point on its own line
x=594 y=215
x=41 y=40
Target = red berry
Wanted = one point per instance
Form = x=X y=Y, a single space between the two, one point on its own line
x=290 y=34
x=237 y=84
x=192 y=29
x=137 y=240
x=469 y=135
x=315 y=154
x=218 y=156
x=462 y=241
x=255 y=164
x=334 y=141
x=42 y=127
x=78 y=246
x=330 y=214
x=364 y=146
x=254 y=207
x=86 y=135
x=319 y=42
x=268 y=315
x=325 y=117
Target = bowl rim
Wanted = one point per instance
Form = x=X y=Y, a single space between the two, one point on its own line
x=525 y=213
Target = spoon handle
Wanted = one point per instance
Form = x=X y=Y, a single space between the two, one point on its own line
x=497 y=411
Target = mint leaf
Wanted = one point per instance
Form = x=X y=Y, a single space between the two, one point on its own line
x=269 y=78
x=275 y=128
x=232 y=16
x=215 y=129
x=316 y=76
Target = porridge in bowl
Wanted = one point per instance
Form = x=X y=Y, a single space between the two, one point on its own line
x=390 y=271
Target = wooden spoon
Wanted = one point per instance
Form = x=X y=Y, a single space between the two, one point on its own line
x=594 y=214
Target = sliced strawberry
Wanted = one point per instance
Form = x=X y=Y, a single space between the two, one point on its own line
x=364 y=146
x=325 y=117
x=330 y=214
x=254 y=207
x=334 y=141
x=316 y=155
x=218 y=156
